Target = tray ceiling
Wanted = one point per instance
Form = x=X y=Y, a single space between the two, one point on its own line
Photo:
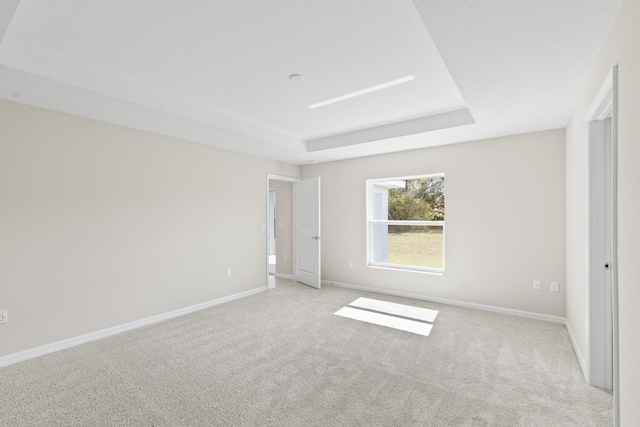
x=218 y=72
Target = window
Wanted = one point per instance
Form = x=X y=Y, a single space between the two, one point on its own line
x=405 y=223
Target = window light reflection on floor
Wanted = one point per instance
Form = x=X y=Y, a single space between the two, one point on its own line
x=390 y=320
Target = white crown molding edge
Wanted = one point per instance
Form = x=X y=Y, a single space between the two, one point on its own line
x=418 y=125
x=114 y=330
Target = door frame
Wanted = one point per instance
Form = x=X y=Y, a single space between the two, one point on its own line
x=274 y=177
x=602 y=306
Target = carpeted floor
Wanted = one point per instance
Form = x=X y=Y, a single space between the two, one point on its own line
x=281 y=358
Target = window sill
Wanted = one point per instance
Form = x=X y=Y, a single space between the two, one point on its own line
x=409 y=269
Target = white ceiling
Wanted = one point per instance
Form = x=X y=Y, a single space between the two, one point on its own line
x=216 y=72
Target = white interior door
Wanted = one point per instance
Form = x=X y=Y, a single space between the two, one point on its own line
x=602 y=343
x=306 y=201
x=601 y=262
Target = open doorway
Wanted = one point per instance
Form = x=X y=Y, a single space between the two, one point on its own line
x=279 y=251
x=271 y=232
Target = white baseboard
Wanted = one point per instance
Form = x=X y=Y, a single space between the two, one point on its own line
x=576 y=348
x=494 y=309
x=284 y=276
x=93 y=336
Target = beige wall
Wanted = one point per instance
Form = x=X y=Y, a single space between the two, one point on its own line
x=284 y=226
x=102 y=225
x=504 y=221
x=622 y=47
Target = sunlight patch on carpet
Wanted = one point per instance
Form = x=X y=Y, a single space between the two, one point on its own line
x=395 y=309
x=385 y=320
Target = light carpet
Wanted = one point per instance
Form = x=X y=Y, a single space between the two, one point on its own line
x=281 y=358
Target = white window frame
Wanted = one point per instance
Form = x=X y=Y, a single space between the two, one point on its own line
x=372 y=222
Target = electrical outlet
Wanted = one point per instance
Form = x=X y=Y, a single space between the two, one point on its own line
x=3 y=316
x=228 y=272
x=536 y=285
x=554 y=287
x=350 y=264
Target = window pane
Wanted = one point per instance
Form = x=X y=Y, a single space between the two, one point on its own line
x=420 y=199
x=415 y=246
x=379 y=203
x=411 y=199
x=380 y=243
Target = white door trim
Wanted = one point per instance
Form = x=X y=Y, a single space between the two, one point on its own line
x=602 y=303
